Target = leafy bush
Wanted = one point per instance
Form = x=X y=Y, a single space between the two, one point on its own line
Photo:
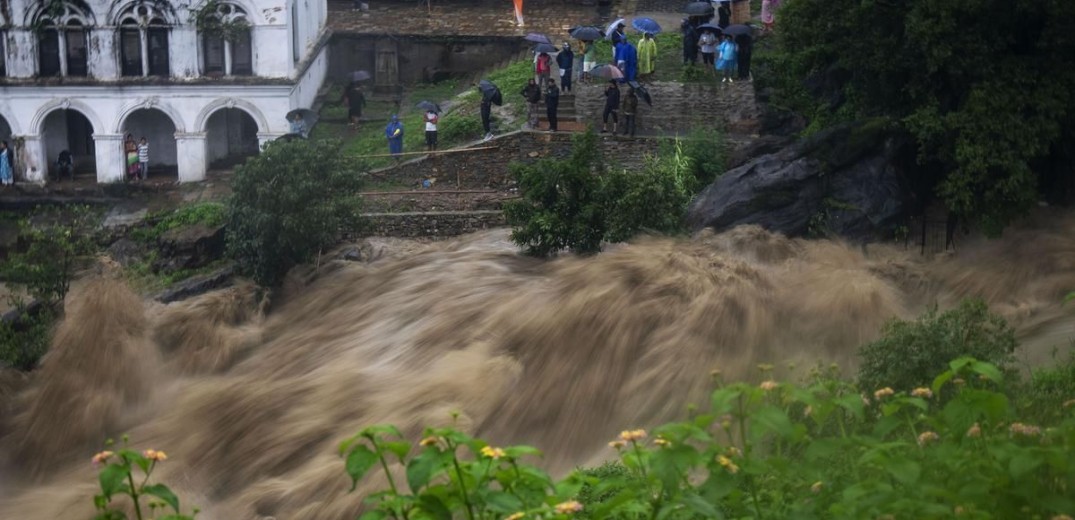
x=775 y=450
x=56 y=239
x=562 y=205
x=705 y=149
x=210 y=214
x=909 y=351
x=654 y=197
x=1050 y=392
x=287 y=203
x=456 y=127
x=24 y=341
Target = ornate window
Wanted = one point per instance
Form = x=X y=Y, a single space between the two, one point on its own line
x=227 y=48
x=61 y=43
x=143 y=41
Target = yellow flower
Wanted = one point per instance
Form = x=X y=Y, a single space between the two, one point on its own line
x=617 y=444
x=925 y=438
x=732 y=451
x=661 y=442
x=102 y=457
x=974 y=431
x=727 y=464
x=632 y=435
x=515 y=516
x=155 y=455
x=924 y=393
x=808 y=411
x=428 y=441
x=1026 y=430
x=570 y=506
x=816 y=488
x=769 y=385
x=882 y=393
x=493 y=453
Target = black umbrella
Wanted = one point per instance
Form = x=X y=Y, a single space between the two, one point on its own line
x=587 y=34
x=699 y=8
x=304 y=113
x=736 y=30
x=360 y=75
x=537 y=38
x=641 y=92
x=544 y=47
x=710 y=27
x=490 y=92
x=429 y=106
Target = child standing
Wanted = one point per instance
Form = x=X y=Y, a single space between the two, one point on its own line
x=143 y=158
x=431 y=130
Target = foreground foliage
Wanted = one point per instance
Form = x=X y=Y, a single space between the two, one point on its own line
x=986 y=87
x=287 y=203
x=119 y=476
x=776 y=450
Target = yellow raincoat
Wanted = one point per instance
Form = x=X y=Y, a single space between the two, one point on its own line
x=647 y=55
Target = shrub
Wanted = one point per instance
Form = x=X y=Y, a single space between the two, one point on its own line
x=56 y=239
x=210 y=214
x=1050 y=392
x=562 y=203
x=287 y=203
x=705 y=149
x=909 y=351
x=23 y=341
x=654 y=197
x=456 y=127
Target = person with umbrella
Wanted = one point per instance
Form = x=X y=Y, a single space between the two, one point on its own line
x=612 y=105
x=355 y=100
x=552 y=102
x=297 y=126
x=628 y=56
x=543 y=67
x=724 y=14
x=690 y=42
x=707 y=43
x=630 y=108
x=647 y=55
x=728 y=57
x=394 y=133
x=490 y=94
x=746 y=48
x=589 y=60
x=565 y=61
x=532 y=93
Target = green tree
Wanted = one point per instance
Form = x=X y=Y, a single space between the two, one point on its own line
x=909 y=352
x=562 y=205
x=986 y=87
x=287 y=204
x=654 y=197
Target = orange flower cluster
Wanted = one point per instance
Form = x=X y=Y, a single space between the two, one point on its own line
x=571 y=506
x=493 y=453
x=924 y=393
x=1025 y=430
x=155 y=455
x=925 y=438
x=727 y=464
x=882 y=393
x=102 y=457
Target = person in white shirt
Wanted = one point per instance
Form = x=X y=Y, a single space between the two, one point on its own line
x=431 y=130
x=143 y=158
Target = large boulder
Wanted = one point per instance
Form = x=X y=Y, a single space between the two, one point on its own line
x=189 y=247
x=845 y=181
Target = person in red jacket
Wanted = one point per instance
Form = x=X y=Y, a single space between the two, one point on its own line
x=543 y=68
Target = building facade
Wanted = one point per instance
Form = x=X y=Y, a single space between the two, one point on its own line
x=204 y=81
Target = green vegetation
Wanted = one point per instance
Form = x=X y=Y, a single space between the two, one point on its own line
x=287 y=203
x=209 y=214
x=909 y=351
x=577 y=202
x=118 y=474
x=985 y=100
x=57 y=240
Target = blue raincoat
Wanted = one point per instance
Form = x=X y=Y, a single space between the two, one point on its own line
x=394 y=133
x=627 y=53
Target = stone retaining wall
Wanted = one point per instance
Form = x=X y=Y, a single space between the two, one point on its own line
x=679 y=106
x=443 y=224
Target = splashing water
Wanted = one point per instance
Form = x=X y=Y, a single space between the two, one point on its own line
x=562 y=355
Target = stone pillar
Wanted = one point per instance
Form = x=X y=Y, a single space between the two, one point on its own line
x=191 y=155
x=111 y=163
x=30 y=161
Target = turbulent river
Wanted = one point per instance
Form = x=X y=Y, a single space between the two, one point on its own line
x=250 y=402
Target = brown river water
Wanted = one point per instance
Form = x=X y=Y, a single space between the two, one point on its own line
x=250 y=402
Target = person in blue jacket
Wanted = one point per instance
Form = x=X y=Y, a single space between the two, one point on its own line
x=394 y=133
x=627 y=55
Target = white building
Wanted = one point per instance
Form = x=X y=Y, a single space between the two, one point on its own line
x=202 y=80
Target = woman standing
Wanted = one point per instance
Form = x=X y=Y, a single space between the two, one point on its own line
x=588 y=59
x=708 y=44
x=130 y=148
x=729 y=58
x=6 y=172
x=647 y=55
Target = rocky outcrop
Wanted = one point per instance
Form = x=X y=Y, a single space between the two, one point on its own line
x=189 y=247
x=844 y=181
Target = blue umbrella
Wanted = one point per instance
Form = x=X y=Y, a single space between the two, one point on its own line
x=646 y=25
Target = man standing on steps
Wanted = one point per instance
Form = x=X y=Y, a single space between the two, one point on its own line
x=486 y=108
x=565 y=61
x=612 y=104
x=532 y=94
x=630 y=107
x=552 y=103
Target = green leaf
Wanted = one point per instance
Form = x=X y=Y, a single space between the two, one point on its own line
x=376 y=514
x=162 y=492
x=435 y=507
x=359 y=461
x=420 y=469
x=113 y=479
x=904 y=470
x=701 y=506
x=502 y=502
x=1023 y=463
x=399 y=448
x=516 y=452
x=773 y=419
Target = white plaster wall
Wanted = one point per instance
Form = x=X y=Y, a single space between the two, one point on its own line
x=271 y=52
x=310 y=82
x=21 y=54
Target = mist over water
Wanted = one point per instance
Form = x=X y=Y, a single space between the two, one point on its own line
x=250 y=403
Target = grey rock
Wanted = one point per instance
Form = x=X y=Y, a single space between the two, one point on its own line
x=189 y=247
x=844 y=180
x=125 y=251
x=198 y=285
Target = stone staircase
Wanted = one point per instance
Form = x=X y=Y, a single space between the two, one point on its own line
x=566 y=118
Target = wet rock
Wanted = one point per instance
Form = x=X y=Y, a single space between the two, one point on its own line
x=362 y=252
x=125 y=251
x=189 y=247
x=845 y=181
x=198 y=285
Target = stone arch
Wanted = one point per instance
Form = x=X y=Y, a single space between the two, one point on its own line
x=161 y=7
x=149 y=104
x=249 y=9
x=12 y=123
x=201 y=122
x=65 y=104
x=77 y=10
